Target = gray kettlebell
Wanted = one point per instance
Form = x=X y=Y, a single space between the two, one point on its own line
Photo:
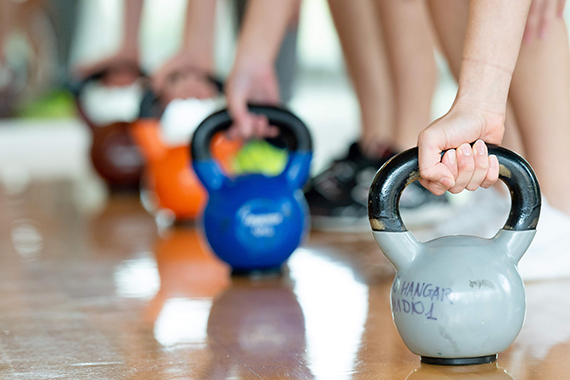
x=456 y=300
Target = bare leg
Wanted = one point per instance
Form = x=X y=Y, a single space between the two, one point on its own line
x=364 y=54
x=7 y=20
x=410 y=47
x=541 y=96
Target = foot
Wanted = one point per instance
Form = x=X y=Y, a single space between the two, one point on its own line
x=482 y=214
x=338 y=197
x=549 y=254
x=548 y=257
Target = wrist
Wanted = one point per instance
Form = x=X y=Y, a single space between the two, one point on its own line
x=484 y=86
x=480 y=114
x=253 y=62
x=129 y=52
x=198 y=58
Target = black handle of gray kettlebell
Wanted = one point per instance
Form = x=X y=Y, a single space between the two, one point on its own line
x=403 y=169
x=288 y=124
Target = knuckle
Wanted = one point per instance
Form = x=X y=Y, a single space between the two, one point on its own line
x=438 y=191
x=426 y=136
x=467 y=165
x=425 y=173
x=472 y=187
x=456 y=189
x=483 y=163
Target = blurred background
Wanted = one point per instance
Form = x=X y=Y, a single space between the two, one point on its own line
x=41 y=136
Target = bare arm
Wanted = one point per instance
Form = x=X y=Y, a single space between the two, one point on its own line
x=494 y=34
x=264 y=27
x=492 y=44
x=128 y=52
x=253 y=76
x=199 y=31
x=195 y=58
x=132 y=20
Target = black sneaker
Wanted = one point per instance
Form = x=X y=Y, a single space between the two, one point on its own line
x=338 y=197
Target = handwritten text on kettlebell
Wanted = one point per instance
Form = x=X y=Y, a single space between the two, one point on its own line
x=418 y=298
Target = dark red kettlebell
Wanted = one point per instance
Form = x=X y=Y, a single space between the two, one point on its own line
x=114 y=155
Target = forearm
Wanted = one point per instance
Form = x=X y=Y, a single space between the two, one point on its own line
x=199 y=31
x=492 y=44
x=263 y=29
x=132 y=17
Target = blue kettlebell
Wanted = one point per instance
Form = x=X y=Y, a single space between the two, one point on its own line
x=255 y=222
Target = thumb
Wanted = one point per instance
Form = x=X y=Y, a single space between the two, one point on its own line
x=432 y=169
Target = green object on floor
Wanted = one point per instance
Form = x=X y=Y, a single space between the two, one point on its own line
x=54 y=104
x=259 y=156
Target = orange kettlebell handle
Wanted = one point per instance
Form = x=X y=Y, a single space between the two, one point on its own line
x=146 y=133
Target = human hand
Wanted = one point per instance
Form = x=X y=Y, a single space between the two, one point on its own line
x=463 y=166
x=540 y=15
x=251 y=84
x=182 y=77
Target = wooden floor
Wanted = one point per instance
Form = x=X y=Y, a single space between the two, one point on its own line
x=96 y=292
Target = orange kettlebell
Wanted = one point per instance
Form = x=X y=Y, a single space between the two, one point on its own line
x=169 y=177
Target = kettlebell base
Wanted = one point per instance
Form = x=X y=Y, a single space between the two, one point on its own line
x=120 y=189
x=266 y=272
x=459 y=361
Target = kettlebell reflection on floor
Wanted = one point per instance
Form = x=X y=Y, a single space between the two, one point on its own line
x=258 y=321
x=187 y=270
x=489 y=371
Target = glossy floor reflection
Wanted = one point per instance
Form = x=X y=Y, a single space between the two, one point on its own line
x=99 y=293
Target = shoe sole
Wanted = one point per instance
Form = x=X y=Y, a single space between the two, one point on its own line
x=424 y=218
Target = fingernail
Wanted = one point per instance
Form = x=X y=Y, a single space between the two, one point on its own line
x=480 y=148
x=452 y=156
x=466 y=149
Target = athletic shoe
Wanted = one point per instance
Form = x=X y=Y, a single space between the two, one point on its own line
x=546 y=325
x=338 y=197
x=482 y=214
x=549 y=254
x=548 y=257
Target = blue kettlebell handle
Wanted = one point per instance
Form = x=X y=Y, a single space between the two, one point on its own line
x=403 y=169
x=301 y=149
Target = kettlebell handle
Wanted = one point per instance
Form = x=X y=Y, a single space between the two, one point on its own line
x=152 y=108
x=403 y=169
x=76 y=88
x=285 y=121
